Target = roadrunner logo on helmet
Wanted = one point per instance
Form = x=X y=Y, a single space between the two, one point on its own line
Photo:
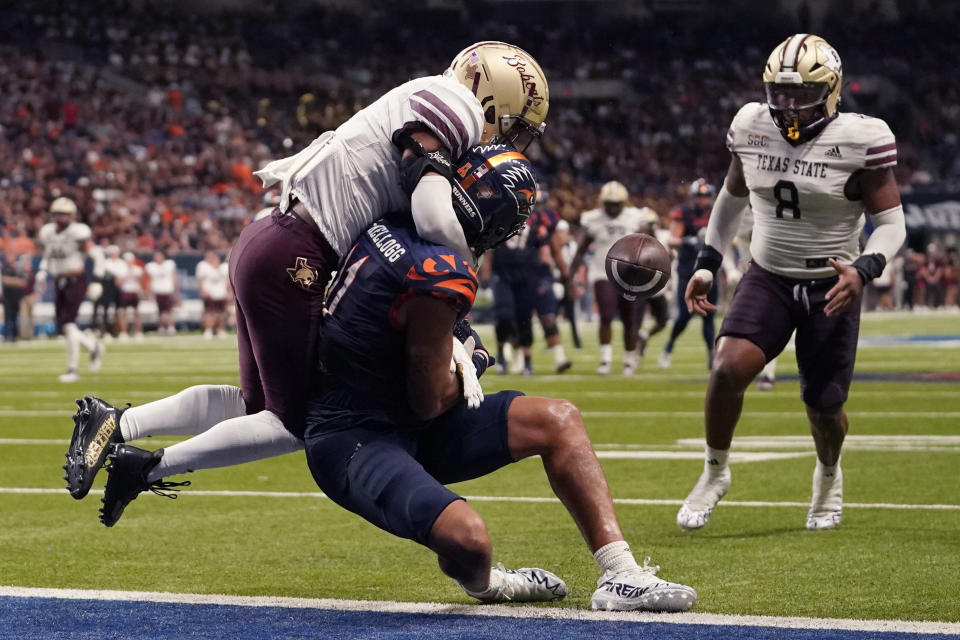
x=802 y=82
x=511 y=88
x=494 y=191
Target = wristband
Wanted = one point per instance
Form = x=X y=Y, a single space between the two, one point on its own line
x=709 y=259
x=870 y=266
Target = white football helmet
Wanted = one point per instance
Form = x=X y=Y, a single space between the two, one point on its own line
x=511 y=88
x=803 y=75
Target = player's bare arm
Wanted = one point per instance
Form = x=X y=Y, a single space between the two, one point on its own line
x=880 y=194
x=431 y=387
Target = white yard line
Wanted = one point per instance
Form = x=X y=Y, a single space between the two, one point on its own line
x=497 y=611
x=316 y=495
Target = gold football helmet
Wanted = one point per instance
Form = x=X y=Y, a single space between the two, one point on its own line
x=511 y=89
x=64 y=205
x=802 y=81
x=613 y=198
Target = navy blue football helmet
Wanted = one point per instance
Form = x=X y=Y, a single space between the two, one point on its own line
x=494 y=191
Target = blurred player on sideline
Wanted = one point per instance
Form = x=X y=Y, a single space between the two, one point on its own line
x=393 y=155
x=213 y=281
x=165 y=290
x=688 y=223
x=131 y=292
x=602 y=227
x=65 y=244
x=808 y=173
x=522 y=282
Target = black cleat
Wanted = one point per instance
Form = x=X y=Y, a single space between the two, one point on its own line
x=563 y=366
x=96 y=426
x=128 y=471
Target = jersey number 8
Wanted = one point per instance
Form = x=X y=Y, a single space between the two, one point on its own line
x=789 y=203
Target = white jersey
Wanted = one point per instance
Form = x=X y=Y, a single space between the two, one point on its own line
x=212 y=281
x=99 y=257
x=606 y=230
x=348 y=178
x=802 y=216
x=115 y=268
x=132 y=281
x=162 y=277
x=64 y=250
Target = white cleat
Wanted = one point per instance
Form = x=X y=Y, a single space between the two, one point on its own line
x=524 y=585
x=629 y=369
x=639 y=589
x=603 y=369
x=69 y=376
x=96 y=356
x=665 y=359
x=696 y=509
x=826 y=506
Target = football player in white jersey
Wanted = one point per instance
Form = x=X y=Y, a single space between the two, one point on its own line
x=603 y=226
x=165 y=290
x=65 y=244
x=809 y=174
x=392 y=155
x=213 y=282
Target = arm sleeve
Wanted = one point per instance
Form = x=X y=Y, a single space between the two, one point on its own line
x=725 y=219
x=431 y=205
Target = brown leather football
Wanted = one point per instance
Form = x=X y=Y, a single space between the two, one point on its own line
x=638 y=265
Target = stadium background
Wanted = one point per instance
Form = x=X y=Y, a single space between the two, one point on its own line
x=152 y=117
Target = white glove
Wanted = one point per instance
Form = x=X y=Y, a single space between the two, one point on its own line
x=462 y=364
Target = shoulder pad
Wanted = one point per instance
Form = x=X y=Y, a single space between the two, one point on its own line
x=443 y=275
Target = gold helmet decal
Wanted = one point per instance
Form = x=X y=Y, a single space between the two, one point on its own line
x=511 y=88
x=802 y=80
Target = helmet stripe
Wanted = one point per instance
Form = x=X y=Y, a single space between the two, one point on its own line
x=791 y=51
x=505 y=157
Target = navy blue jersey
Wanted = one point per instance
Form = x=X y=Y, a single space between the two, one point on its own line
x=521 y=253
x=694 y=219
x=361 y=346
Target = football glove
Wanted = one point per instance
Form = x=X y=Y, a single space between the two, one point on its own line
x=462 y=364
x=472 y=345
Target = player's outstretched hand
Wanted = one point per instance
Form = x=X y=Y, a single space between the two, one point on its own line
x=696 y=294
x=462 y=364
x=846 y=291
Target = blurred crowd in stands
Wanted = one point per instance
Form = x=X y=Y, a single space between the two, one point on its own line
x=152 y=119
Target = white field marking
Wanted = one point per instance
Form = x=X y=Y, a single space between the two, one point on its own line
x=317 y=495
x=858 y=442
x=487 y=610
x=772 y=414
x=918 y=393
x=736 y=456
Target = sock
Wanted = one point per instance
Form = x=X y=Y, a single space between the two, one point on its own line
x=231 y=442
x=74 y=338
x=827 y=471
x=192 y=411
x=559 y=357
x=606 y=353
x=496 y=581
x=770 y=370
x=716 y=459
x=527 y=361
x=615 y=557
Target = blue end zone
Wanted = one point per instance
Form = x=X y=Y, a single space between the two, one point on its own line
x=50 y=618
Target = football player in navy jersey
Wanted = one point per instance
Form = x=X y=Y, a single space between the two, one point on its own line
x=522 y=282
x=688 y=223
x=392 y=421
x=330 y=192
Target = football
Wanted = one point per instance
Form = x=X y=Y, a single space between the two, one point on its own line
x=638 y=266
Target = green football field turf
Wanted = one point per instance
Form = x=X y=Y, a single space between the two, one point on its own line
x=894 y=557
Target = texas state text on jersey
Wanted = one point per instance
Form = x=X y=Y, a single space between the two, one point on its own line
x=799 y=195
